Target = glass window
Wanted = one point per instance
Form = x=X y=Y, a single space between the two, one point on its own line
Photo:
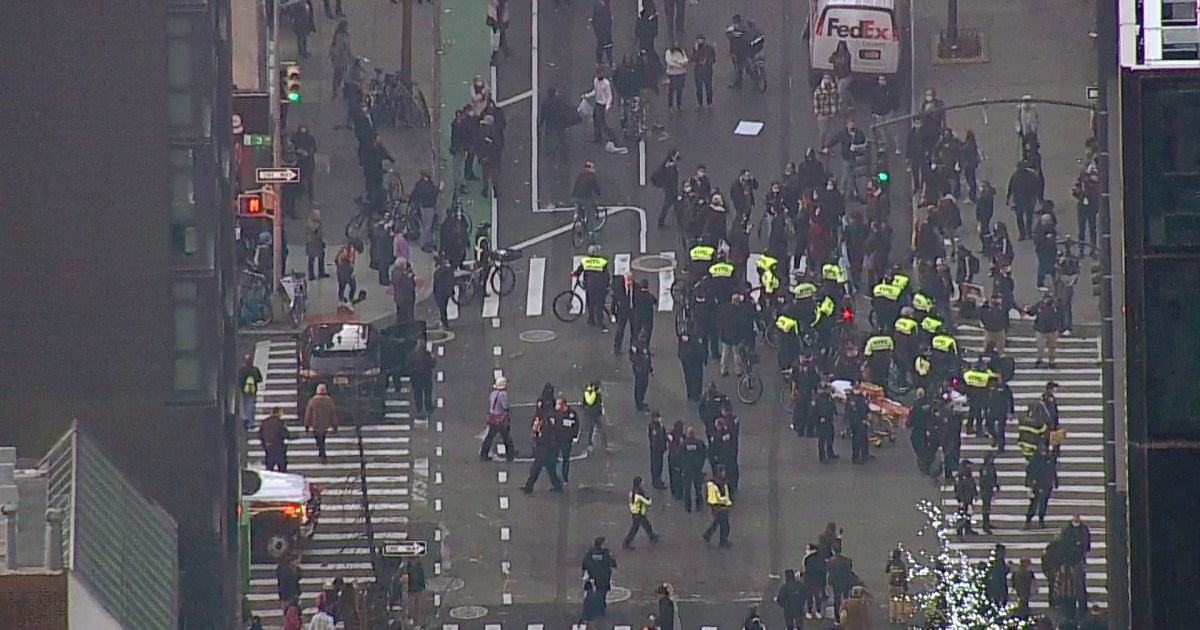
x=179 y=64
x=1172 y=291
x=187 y=374
x=179 y=112
x=187 y=337
x=1170 y=156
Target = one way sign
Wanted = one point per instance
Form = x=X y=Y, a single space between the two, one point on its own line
x=407 y=548
x=282 y=175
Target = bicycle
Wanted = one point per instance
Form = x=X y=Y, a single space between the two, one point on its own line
x=359 y=226
x=750 y=385
x=568 y=305
x=256 y=310
x=499 y=275
x=757 y=71
x=785 y=392
x=394 y=186
x=633 y=119
x=295 y=285
x=589 y=219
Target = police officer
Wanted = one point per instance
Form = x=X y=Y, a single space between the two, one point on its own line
x=545 y=451
x=622 y=310
x=700 y=257
x=922 y=306
x=922 y=371
x=804 y=302
x=1039 y=478
x=885 y=302
x=720 y=281
x=824 y=413
x=657 y=435
x=728 y=429
x=593 y=268
x=974 y=385
x=692 y=459
x=951 y=437
x=931 y=327
x=856 y=416
x=692 y=355
x=1000 y=407
x=593 y=412
x=789 y=339
x=965 y=492
x=833 y=280
x=598 y=565
x=638 y=504
x=945 y=358
x=768 y=279
x=878 y=351
x=907 y=342
x=639 y=356
x=567 y=426
x=804 y=381
x=900 y=280
x=675 y=459
x=710 y=406
x=989 y=486
x=720 y=502
x=923 y=422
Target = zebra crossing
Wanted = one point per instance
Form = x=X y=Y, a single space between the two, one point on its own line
x=1080 y=465
x=540 y=289
x=339 y=547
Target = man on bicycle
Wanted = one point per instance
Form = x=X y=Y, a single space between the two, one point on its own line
x=586 y=191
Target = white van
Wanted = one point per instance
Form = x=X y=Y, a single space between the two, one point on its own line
x=869 y=28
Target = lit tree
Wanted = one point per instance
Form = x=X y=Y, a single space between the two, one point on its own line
x=950 y=592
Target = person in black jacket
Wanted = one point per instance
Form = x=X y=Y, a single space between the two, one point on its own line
x=989 y=485
x=824 y=412
x=692 y=457
x=656 y=433
x=923 y=423
x=814 y=581
x=1022 y=195
x=860 y=427
x=1047 y=322
x=692 y=355
x=965 y=492
x=1000 y=406
x=545 y=454
x=675 y=459
x=639 y=357
x=598 y=565
x=646 y=28
x=645 y=304
x=791 y=599
x=443 y=288
x=554 y=116
x=666 y=605
x=1039 y=478
x=622 y=310
x=666 y=178
x=852 y=145
x=566 y=431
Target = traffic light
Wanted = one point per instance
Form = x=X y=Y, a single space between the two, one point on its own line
x=291 y=83
x=250 y=205
x=847 y=314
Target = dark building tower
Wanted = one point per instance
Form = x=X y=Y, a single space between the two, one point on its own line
x=116 y=258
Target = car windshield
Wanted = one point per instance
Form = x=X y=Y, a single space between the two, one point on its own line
x=340 y=340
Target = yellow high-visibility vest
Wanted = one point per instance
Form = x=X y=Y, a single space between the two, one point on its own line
x=770 y=283
x=931 y=325
x=766 y=262
x=900 y=281
x=721 y=270
x=879 y=343
x=886 y=291
x=831 y=271
x=593 y=263
x=638 y=503
x=921 y=366
x=590 y=395
x=804 y=290
x=826 y=307
x=945 y=343
x=787 y=324
x=717 y=497
x=703 y=253
x=905 y=325
x=976 y=378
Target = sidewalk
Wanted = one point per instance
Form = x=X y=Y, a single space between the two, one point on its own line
x=1041 y=49
x=374 y=31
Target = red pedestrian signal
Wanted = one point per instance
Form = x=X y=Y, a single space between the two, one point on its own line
x=250 y=204
x=847 y=314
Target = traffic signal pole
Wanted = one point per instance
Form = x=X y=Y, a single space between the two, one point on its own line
x=276 y=154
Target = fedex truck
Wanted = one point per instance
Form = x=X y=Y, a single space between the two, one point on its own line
x=869 y=28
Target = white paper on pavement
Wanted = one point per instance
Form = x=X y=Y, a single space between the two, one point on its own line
x=748 y=128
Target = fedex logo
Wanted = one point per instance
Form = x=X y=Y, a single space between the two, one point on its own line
x=865 y=29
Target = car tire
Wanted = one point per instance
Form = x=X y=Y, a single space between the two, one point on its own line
x=279 y=545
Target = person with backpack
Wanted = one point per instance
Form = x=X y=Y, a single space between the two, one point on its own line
x=344 y=265
x=249 y=379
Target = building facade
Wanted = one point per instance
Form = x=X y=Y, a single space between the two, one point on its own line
x=116 y=259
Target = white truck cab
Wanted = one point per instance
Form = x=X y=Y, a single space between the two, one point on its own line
x=869 y=28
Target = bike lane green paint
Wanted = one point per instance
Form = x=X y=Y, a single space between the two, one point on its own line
x=466 y=51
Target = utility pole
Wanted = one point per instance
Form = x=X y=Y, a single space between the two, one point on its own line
x=951 y=28
x=276 y=94
x=406 y=41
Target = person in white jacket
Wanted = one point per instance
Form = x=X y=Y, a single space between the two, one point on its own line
x=602 y=99
x=321 y=621
x=676 y=61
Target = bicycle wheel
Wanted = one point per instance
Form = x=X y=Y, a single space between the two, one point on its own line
x=596 y=218
x=578 y=234
x=412 y=224
x=771 y=336
x=681 y=321
x=750 y=388
x=567 y=306
x=465 y=293
x=395 y=187
x=356 y=228
x=785 y=398
x=760 y=77
x=504 y=280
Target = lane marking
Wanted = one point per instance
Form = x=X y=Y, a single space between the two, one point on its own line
x=642 y=163
x=451 y=311
x=582 y=304
x=666 y=277
x=503 y=503
x=517 y=98
x=491 y=304
x=496 y=351
x=537 y=285
x=505 y=533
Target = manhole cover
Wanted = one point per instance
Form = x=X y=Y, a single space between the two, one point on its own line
x=470 y=612
x=443 y=584
x=438 y=336
x=653 y=263
x=537 y=336
x=617 y=594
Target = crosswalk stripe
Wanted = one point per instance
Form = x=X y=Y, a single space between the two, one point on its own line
x=575 y=262
x=451 y=310
x=537 y=286
x=666 y=277
x=491 y=304
x=752 y=271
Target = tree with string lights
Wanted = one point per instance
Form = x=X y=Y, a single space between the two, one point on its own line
x=950 y=592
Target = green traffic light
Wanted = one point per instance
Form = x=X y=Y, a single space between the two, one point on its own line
x=882 y=176
x=294 y=97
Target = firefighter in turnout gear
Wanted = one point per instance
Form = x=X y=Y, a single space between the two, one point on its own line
x=1032 y=432
x=720 y=502
x=593 y=269
x=878 y=351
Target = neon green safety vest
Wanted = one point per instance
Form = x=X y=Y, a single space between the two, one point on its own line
x=921 y=302
x=804 y=290
x=886 y=291
x=721 y=270
x=976 y=378
x=879 y=343
x=703 y=253
x=905 y=325
x=766 y=262
x=590 y=395
x=638 y=504
x=769 y=282
x=900 y=281
x=931 y=325
x=787 y=324
x=945 y=343
x=830 y=271
x=826 y=306
x=593 y=263
x=921 y=366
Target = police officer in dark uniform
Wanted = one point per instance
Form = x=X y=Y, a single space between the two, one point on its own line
x=989 y=486
x=805 y=380
x=725 y=443
x=545 y=454
x=856 y=416
x=906 y=338
x=622 y=311
x=974 y=385
x=675 y=459
x=824 y=413
x=885 y=302
x=951 y=438
x=710 y=407
x=566 y=431
x=1000 y=406
x=657 y=434
x=923 y=423
x=598 y=565
x=639 y=356
x=692 y=356
x=692 y=459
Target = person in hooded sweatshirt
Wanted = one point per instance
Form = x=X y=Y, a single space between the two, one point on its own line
x=791 y=598
x=814 y=582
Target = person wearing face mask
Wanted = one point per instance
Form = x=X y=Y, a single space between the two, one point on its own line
x=884 y=103
x=852 y=145
x=826 y=105
x=703 y=57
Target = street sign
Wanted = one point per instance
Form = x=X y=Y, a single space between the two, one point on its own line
x=406 y=549
x=282 y=175
x=1093 y=93
x=256 y=139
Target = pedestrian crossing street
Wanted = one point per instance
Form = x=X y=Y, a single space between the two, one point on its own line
x=339 y=547
x=537 y=290
x=1080 y=465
